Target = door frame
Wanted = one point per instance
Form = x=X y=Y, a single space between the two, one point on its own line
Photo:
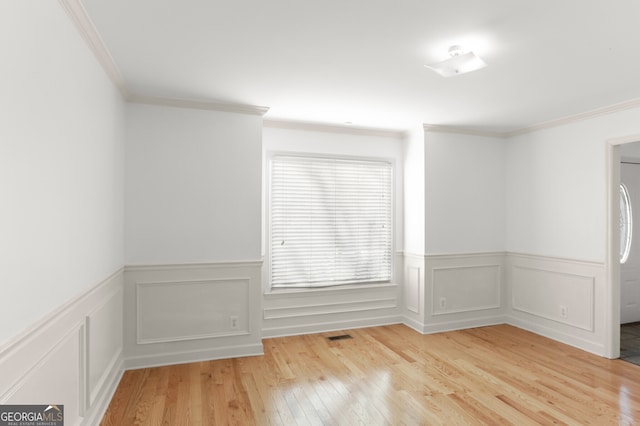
x=612 y=244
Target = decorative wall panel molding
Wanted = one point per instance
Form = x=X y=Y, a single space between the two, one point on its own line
x=192 y=309
x=103 y=331
x=73 y=357
x=462 y=287
x=412 y=289
x=331 y=308
x=558 y=296
x=467 y=288
x=191 y=312
x=54 y=377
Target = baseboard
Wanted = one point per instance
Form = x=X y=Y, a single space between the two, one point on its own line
x=322 y=327
x=462 y=324
x=552 y=334
x=413 y=324
x=103 y=399
x=173 y=358
x=559 y=336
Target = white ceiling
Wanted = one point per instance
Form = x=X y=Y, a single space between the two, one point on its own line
x=361 y=61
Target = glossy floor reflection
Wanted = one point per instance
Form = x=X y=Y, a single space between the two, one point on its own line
x=630 y=342
x=388 y=375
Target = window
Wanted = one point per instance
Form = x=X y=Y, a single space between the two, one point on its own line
x=626 y=224
x=330 y=221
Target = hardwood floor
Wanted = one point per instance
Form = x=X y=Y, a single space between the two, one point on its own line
x=388 y=375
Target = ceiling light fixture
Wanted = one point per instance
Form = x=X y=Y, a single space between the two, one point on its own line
x=460 y=62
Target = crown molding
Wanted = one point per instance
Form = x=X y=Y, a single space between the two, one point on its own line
x=88 y=31
x=594 y=113
x=574 y=118
x=78 y=14
x=197 y=104
x=329 y=128
x=462 y=131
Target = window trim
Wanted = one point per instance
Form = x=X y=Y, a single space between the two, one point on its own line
x=268 y=288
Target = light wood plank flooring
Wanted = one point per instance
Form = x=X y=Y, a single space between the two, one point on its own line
x=388 y=376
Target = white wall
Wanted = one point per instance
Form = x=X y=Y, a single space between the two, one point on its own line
x=414 y=193
x=61 y=224
x=556 y=194
x=556 y=187
x=194 y=186
x=465 y=193
x=61 y=164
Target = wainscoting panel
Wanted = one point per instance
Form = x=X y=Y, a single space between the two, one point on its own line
x=464 y=290
x=175 y=311
x=572 y=295
x=412 y=288
x=56 y=378
x=301 y=311
x=329 y=308
x=72 y=357
x=103 y=328
x=559 y=298
x=413 y=291
x=184 y=313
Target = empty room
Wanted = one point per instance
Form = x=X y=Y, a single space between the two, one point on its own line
x=336 y=212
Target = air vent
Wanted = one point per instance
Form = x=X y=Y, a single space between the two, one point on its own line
x=340 y=337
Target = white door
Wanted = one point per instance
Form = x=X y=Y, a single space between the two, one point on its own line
x=630 y=269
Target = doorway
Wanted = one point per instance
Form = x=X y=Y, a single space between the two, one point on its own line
x=629 y=196
x=623 y=258
x=629 y=246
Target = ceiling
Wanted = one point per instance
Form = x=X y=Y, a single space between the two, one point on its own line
x=362 y=61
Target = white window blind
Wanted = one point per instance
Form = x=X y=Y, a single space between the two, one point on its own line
x=330 y=221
